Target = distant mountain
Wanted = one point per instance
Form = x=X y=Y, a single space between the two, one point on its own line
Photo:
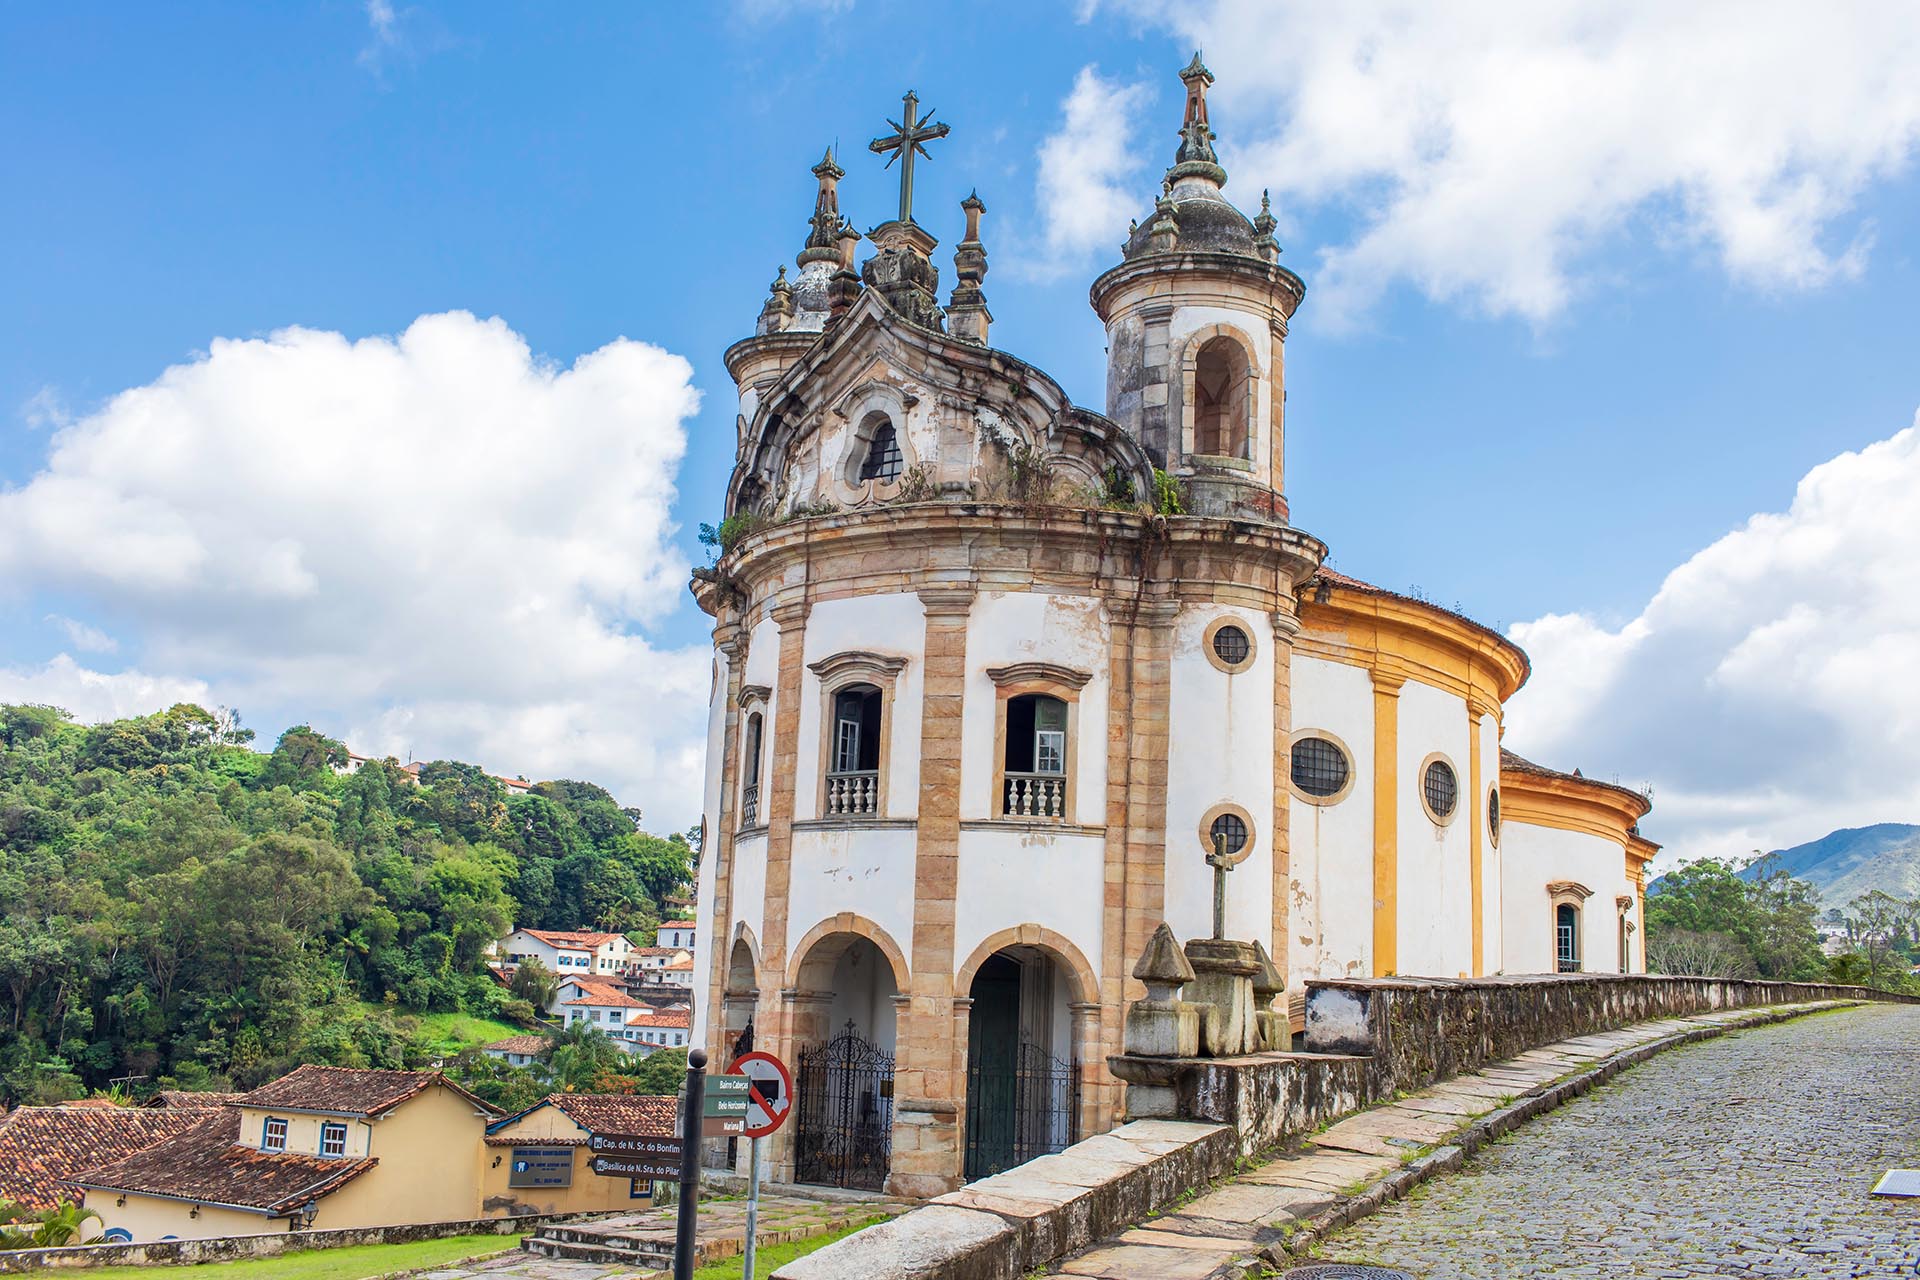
x=1845 y=864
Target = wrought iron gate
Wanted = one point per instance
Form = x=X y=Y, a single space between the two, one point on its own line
x=843 y=1103
x=1023 y=1106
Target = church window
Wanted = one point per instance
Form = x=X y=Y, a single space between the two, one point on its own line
x=1035 y=779
x=1228 y=645
x=1320 y=768
x=883 y=455
x=1222 y=399
x=1439 y=789
x=1566 y=937
x=853 y=783
x=1228 y=831
x=1493 y=815
x=750 y=772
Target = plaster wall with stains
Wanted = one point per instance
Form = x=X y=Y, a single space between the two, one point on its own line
x=1331 y=878
x=1537 y=856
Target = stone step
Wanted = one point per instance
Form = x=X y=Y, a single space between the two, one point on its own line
x=628 y=1252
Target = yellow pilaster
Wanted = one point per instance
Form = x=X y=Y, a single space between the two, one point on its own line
x=1477 y=811
x=1386 y=820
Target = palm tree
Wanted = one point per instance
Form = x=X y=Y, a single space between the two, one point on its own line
x=56 y=1227
x=576 y=1055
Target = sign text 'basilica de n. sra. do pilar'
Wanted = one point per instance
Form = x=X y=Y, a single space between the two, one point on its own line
x=994 y=673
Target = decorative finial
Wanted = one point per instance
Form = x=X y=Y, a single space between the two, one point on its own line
x=967 y=315
x=1263 y=242
x=824 y=226
x=1196 y=158
x=777 y=314
x=1163 y=963
x=909 y=132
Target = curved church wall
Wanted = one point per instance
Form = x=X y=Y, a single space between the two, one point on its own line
x=1014 y=877
x=894 y=625
x=1435 y=905
x=1539 y=856
x=1331 y=875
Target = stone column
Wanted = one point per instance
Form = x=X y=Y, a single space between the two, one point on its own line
x=1090 y=1068
x=927 y=1152
x=1477 y=710
x=1386 y=820
x=729 y=639
x=773 y=1028
x=1147 y=725
x=803 y=1020
x=1285 y=628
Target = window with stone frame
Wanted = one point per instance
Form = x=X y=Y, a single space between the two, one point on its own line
x=1566 y=938
x=750 y=770
x=882 y=461
x=1035 y=777
x=1222 y=399
x=853 y=771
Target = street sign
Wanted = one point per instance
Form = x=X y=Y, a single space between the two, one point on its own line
x=653 y=1168
x=635 y=1144
x=726 y=1096
x=723 y=1127
x=770 y=1098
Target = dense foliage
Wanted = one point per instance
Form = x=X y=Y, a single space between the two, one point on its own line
x=1704 y=919
x=178 y=906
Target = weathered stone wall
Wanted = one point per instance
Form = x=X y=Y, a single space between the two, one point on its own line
x=1415 y=1031
x=226 y=1248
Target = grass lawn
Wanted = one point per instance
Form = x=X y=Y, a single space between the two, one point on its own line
x=768 y=1260
x=355 y=1263
x=449 y=1033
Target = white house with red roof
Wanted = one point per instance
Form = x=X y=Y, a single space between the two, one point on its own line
x=569 y=951
x=677 y=933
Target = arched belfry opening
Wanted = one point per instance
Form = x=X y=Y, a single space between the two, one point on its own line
x=844 y=1025
x=1222 y=399
x=1023 y=1092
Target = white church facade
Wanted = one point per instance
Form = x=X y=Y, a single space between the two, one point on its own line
x=994 y=672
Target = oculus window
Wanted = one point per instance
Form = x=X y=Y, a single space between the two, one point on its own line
x=1320 y=767
x=1439 y=790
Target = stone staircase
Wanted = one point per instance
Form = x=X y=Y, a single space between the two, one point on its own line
x=644 y=1248
x=641 y=1243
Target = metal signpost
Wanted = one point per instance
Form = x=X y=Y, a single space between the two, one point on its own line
x=690 y=1117
x=654 y=1157
x=769 y=1103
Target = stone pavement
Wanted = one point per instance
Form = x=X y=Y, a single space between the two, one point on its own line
x=1746 y=1156
x=722 y=1225
x=1223 y=1231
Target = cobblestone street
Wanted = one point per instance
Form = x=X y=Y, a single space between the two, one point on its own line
x=1745 y=1156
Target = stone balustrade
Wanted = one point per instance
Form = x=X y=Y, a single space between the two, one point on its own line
x=853 y=795
x=1035 y=795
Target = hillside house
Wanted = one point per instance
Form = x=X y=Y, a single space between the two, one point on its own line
x=540 y=1160
x=41 y=1148
x=303 y=1153
x=516 y=1051
x=648 y=959
x=568 y=951
x=677 y=933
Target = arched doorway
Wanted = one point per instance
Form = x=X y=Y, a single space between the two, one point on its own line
x=1023 y=1090
x=844 y=1028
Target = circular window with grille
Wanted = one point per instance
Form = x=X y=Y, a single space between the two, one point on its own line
x=1493 y=815
x=1231 y=823
x=1229 y=645
x=1321 y=767
x=1439 y=788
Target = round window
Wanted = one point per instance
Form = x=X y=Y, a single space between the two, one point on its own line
x=1319 y=767
x=1440 y=787
x=1493 y=814
x=1231 y=645
x=1230 y=829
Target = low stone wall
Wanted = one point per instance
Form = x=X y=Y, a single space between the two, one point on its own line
x=1371 y=1038
x=265 y=1245
x=1415 y=1031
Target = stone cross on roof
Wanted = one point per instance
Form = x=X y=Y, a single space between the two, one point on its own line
x=909 y=132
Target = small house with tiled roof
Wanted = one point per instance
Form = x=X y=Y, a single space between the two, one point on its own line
x=677 y=933
x=569 y=952
x=42 y=1147
x=319 y=1148
x=516 y=1051
x=541 y=1160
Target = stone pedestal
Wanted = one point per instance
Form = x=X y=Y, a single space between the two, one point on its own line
x=1223 y=984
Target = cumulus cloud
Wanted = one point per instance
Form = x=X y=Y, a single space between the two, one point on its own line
x=1090 y=174
x=1767 y=689
x=435 y=543
x=83 y=636
x=97 y=695
x=1487 y=149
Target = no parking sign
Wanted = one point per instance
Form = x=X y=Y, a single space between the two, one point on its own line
x=770 y=1096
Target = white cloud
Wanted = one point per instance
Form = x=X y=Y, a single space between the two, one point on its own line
x=436 y=542
x=82 y=636
x=97 y=695
x=386 y=38
x=1090 y=174
x=1488 y=148
x=1767 y=690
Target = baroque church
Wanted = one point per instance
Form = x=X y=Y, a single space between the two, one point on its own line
x=994 y=674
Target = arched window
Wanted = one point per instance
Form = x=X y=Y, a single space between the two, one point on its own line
x=853 y=781
x=1222 y=399
x=750 y=772
x=1566 y=937
x=883 y=455
x=1036 y=759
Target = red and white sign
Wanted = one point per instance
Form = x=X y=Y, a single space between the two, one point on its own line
x=770 y=1096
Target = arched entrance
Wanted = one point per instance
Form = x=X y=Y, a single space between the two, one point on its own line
x=843 y=1037
x=1023 y=1080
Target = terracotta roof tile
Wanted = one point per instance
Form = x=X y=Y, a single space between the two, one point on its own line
x=41 y=1147
x=570 y=937
x=347 y=1091
x=192 y=1098
x=618 y=1112
x=206 y=1164
x=679 y=924
x=608 y=1000
x=518 y=1044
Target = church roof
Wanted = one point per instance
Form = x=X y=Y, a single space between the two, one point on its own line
x=1516 y=764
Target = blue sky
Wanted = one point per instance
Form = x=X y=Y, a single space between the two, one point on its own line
x=1550 y=371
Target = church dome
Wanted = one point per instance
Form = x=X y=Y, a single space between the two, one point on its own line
x=1207 y=222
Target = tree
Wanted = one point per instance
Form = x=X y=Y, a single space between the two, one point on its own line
x=1685 y=953
x=1875 y=918
x=62 y=1225
x=577 y=1055
x=533 y=982
x=661 y=1073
